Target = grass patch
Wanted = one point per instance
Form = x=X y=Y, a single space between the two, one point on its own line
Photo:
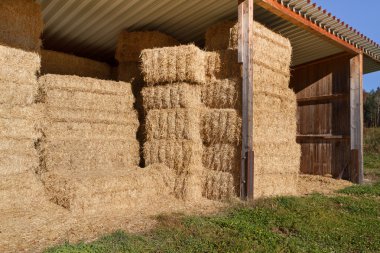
x=363 y=190
x=289 y=224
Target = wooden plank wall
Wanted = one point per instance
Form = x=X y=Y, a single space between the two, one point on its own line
x=323 y=92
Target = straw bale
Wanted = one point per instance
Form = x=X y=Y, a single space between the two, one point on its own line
x=264 y=101
x=225 y=93
x=188 y=185
x=221 y=126
x=271 y=185
x=179 y=155
x=17 y=94
x=20 y=189
x=89 y=155
x=86 y=84
x=173 y=64
x=53 y=62
x=130 y=44
x=171 y=124
x=20 y=24
x=219 y=185
x=92 y=116
x=88 y=101
x=222 y=157
x=222 y=64
x=18 y=162
x=18 y=67
x=96 y=191
x=224 y=35
x=130 y=72
x=170 y=96
x=33 y=228
x=280 y=158
x=93 y=131
x=18 y=128
x=221 y=36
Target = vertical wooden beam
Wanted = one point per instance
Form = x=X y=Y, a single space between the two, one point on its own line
x=245 y=57
x=356 y=106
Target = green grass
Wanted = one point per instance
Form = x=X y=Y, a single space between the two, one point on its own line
x=348 y=222
x=372 y=153
x=308 y=224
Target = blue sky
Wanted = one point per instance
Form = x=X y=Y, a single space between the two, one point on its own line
x=362 y=15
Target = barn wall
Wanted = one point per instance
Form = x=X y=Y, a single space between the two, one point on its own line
x=323 y=115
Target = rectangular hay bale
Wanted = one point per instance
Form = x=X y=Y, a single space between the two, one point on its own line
x=221 y=126
x=224 y=93
x=171 y=96
x=171 y=124
x=222 y=157
x=130 y=44
x=53 y=62
x=179 y=155
x=21 y=24
x=173 y=64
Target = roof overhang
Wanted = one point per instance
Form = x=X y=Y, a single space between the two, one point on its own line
x=91 y=27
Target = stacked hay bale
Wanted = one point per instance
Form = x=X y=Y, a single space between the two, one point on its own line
x=28 y=221
x=277 y=155
x=128 y=50
x=172 y=99
x=90 y=124
x=65 y=64
x=222 y=97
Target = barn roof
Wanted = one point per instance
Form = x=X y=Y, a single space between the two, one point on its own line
x=91 y=27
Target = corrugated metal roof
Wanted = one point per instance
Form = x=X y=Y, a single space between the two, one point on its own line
x=91 y=27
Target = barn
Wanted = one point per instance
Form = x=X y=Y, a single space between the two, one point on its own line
x=115 y=110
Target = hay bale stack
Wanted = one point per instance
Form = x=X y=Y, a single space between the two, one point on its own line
x=18 y=111
x=109 y=191
x=128 y=50
x=53 y=62
x=130 y=44
x=20 y=24
x=28 y=221
x=277 y=155
x=90 y=124
x=172 y=100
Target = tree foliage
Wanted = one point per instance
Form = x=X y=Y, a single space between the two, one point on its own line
x=372 y=108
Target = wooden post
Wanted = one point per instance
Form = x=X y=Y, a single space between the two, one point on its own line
x=245 y=56
x=356 y=106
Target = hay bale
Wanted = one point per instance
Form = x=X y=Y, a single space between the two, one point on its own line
x=53 y=62
x=86 y=84
x=173 y=64
x=18 y=67
x=221 y=126
x=271 y=185
x=20 y=190
x=93 y=131
x=90 y=154
x=130 y=44
x=221 y=36
x=224 y=93
x=218 y=185
x=18 y=162
x=172 y=124
x=20 y=24
x=13 y=94
x=90 y=116
x=222 y=157
x=120 y=190
x=222 y=64
x=179 y=155
x=79 y=100
x=188 y=185
x=172 y=96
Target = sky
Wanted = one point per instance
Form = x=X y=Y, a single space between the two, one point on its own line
x=362 y=15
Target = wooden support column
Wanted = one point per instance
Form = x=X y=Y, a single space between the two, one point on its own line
x=356 y=119
x=245 y=57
